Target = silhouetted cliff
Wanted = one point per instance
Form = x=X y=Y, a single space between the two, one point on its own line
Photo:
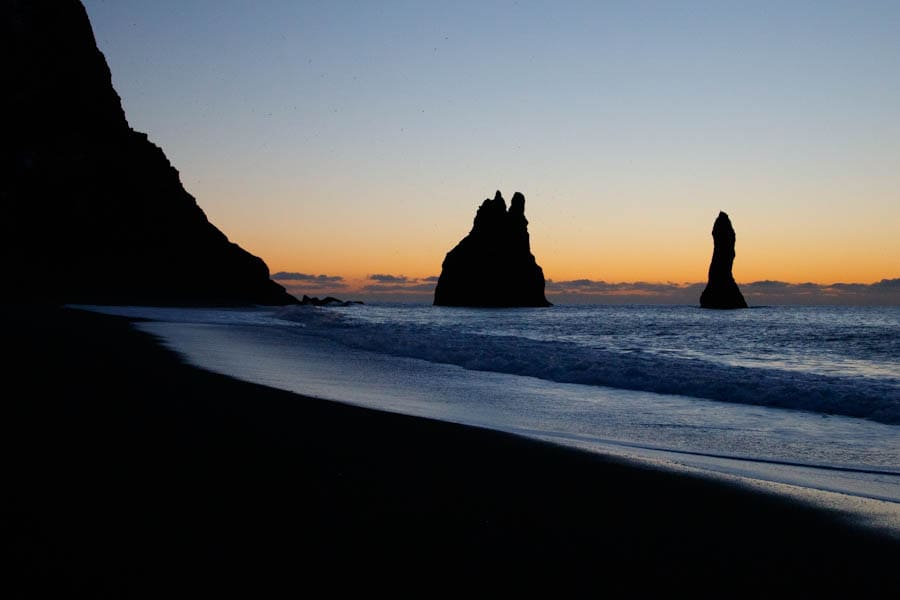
x=721 y=290
x=493 y=265
x=92 y=210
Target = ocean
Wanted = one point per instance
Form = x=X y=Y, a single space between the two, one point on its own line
x=801 y=400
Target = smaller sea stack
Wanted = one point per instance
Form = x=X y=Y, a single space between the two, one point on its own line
x=493 y=266
x=721 y=290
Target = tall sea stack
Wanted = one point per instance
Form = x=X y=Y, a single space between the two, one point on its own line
x=493 y=266
x=721 y=290
x=92 y=210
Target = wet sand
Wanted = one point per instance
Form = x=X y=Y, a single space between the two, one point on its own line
x=129 y=474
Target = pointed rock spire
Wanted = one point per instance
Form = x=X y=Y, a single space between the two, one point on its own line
x=721 y=290
x=493 y=266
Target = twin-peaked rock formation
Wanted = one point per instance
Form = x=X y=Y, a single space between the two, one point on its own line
x=92 y=211
x=493 y=265
x=721 y=290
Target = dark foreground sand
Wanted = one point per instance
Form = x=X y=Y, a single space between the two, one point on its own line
x=126 y=473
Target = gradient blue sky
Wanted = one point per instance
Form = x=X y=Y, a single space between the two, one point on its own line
x=357 y=138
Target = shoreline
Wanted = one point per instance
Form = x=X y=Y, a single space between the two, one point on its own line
x=130 y=472
x=619 y=422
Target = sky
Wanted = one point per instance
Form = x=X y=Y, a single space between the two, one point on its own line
x=349 y=144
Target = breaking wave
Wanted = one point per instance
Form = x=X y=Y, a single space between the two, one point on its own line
x=551 y=345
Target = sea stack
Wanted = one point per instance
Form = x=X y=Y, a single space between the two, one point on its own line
x=93 y=212
x=721 y=290
x=493 y=266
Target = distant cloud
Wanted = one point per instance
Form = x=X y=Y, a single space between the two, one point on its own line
x=389 y=278
x=589 y=286
x=886 y=291
x=888 y=286
x=584 y=291
x=399 y=288
x=287 y=276
x=433 y=278
x=300 y=283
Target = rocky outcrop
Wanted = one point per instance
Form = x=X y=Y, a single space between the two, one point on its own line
x=721 y=290
x=493 y=265
x=92 y=210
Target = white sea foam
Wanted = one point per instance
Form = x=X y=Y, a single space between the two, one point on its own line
x=773 y=357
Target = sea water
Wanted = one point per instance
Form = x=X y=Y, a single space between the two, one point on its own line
x=804 y=399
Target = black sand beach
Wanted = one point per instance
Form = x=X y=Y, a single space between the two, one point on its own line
x=129 y=474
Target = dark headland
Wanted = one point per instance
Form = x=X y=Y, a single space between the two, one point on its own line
x=721 y=290
x=493 y=265
x=93 y=212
